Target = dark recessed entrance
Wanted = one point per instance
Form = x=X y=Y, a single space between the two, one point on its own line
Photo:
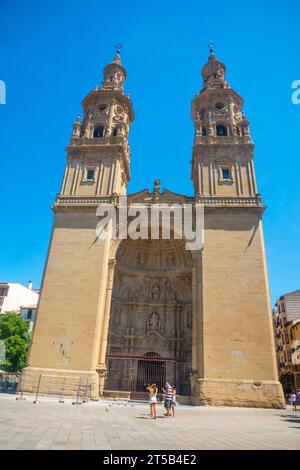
x=150 y=372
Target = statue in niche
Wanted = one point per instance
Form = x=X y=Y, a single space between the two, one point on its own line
x=141 y=259
x=136 y=294
x=155 y=293
x=154 y=321
x=170 y=259
x=170 y=293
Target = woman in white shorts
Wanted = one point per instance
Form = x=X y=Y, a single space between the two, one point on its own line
x=152 y=389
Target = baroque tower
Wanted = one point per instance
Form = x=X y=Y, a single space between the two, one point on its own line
x=118 y=314
x=223 y=148
x=98 y=162
x=238 y=364
x=74 y=305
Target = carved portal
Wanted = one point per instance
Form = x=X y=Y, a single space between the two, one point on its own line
x=151 y=316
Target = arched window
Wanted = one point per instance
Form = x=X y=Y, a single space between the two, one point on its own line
x=99 y=131
x=115 y=132
x=152 y=354
x=204 y=131
x=220 y=105
x=221 y=130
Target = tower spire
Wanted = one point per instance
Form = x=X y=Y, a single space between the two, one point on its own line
x=117 y=58
x=114 y=73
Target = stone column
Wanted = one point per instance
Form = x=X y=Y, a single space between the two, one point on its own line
x=101 y=369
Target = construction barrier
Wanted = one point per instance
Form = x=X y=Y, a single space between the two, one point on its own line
x=60 y=387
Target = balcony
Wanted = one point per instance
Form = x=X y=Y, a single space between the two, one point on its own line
x=229 y=139
x=107 y=140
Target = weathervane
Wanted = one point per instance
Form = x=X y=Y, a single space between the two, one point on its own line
x=211 y=46
x=118 y=47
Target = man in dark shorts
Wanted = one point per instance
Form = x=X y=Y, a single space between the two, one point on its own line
x=168 y=392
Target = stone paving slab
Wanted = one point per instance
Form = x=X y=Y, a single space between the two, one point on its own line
x=118 y=426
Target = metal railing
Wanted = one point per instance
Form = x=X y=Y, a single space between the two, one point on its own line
x=59 y=387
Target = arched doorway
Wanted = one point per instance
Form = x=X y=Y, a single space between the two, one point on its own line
x=150 y=329
x=151 y=369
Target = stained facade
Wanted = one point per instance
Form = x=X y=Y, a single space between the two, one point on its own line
x=120 y=313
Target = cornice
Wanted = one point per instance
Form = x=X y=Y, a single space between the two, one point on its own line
x=82 y=201
x=207 y=201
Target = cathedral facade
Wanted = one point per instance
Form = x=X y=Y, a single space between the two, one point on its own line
x=126 y=312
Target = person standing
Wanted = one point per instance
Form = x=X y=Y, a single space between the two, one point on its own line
x=168 y=392
x=152 y=389
x=293 y=400
x=173 y=403
x=297 y=399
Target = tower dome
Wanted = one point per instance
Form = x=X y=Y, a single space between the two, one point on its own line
x=213 y=72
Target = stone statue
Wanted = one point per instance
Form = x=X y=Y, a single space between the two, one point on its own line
x=76 y=128
x=155 y=294
x=156 y=187
x=154 y=321
x=170 y=259
x=170 y=293
x=141 y=259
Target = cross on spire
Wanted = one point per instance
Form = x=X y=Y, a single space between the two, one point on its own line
x=118 y=47
x=211 y=47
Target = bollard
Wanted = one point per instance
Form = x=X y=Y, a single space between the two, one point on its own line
x=37 y=390
x=62 y=392
x=77 y=402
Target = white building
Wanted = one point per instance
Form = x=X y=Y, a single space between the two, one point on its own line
x=28 y=312
x=13 y=296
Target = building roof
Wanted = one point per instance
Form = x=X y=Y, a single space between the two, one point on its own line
x=282 y=297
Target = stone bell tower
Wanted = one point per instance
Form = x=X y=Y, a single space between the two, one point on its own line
x=69 y=339
x=237 y=361
x=98 y=162
x=223 y=148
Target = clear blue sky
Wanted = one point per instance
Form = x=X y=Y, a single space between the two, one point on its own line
x=53 y=53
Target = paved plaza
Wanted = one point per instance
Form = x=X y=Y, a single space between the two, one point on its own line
x=111 y=426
